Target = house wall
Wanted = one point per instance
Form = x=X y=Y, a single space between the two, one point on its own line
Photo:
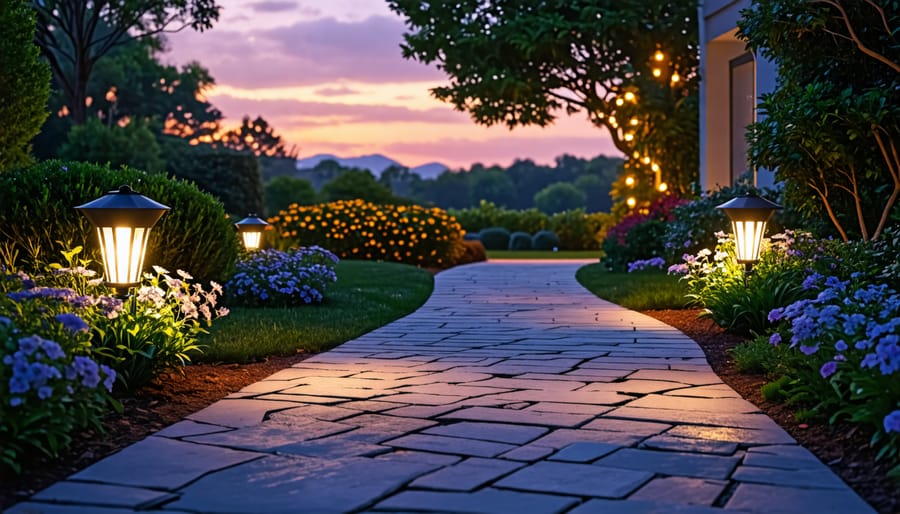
x=719 y=46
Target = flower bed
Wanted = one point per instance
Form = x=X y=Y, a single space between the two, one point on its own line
x=272 y=277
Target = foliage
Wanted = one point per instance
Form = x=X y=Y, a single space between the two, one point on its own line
x=133 y=145
x=494 y=238
x=640 y=234
x=584 y=55
x=578 y=230
x=473 y=251
x=559 y=197
x=356 y=184
x=73 y=38
x=232 y=177
x=257 y=138
x=282 y=191
x=520 y=241
x=38 y=221
x=487 y=214
x=545 y=240
x=24 y=84
x=273 y=278
x=832 y=125
x=885 y=254
x=646 y=264
x=367 y=296
x=756 y=356
x=850 y=337
x=356 y=229
x=637 y=291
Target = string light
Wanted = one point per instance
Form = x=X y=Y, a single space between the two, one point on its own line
x=631 y=201
x=629 y=181
x=629 y=96
x=620 y=102
x=662 y=187
x=659 y=56
x=629 y=136
x=675 y=77
x=657 y=72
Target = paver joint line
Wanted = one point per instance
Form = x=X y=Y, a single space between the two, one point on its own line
x=512 y=389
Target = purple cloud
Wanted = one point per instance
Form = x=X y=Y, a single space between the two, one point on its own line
x=273 y=6
x=309 y=52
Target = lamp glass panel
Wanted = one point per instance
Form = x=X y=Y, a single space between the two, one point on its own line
x=251 y=239
x=107 y=249
x=748 y=237
x=138 y=245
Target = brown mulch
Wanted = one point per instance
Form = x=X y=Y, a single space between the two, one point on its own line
x=172 y=397
x=844 y=449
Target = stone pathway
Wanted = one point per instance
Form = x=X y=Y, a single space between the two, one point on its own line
x=512 y=390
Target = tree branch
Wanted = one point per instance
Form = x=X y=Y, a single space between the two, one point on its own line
x=859 y=44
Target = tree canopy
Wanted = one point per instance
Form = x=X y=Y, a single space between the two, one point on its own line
x=257 y=137
x=73 y=34
x=832 y=130
x=24 y=83
x=630 y=65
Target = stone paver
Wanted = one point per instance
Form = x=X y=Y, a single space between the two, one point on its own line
x=512 y=389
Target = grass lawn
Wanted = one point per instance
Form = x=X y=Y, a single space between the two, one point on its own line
x=543 y=254
x=642 y=290
x=366 y=296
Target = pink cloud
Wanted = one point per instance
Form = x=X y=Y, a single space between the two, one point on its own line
x=273 y=6
x=296 y=109
x=336 y=91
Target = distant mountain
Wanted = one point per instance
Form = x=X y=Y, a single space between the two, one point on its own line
x=376 y=163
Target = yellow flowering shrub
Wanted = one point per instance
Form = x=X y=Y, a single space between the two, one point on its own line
x=355 y=229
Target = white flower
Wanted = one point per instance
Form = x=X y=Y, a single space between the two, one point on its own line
x=184 y=274
x=160 y=270
x=706 y=252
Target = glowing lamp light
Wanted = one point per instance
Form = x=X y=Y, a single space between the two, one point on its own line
x=629 y=181
x=654 y=167
x=629 y=96
x=123 y=220
x=629 y=136
x=662 y=187
x=659 y=56
x=631 y=201
x=749 y=215
x=251 y=229
x=657 y=72
x=620 y=102
x=675 y=77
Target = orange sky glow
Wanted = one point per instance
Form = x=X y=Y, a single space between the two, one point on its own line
x=330 y=78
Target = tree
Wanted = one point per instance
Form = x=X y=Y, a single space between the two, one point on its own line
x=258 y=138
x=355 y=184
x=24 y=84
x=283 y=191
x=596 y=193
x=832 y=130
x=559 y=197
x=74 y=35
x=493 y=185
x=132 y=145
x=630 y=65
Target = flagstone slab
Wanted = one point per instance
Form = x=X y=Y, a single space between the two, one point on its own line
x=239 y=412
x=767 y=436
x=584 y=451
x=600 y=506
x=719 y=405
x=576 y=479
x=551 y=419
x=289 y=485
x=485 y=501
x=682 y=377
x=269 y=436
x=452 y=445
x=814 y=478
x=784 y=500
x=696 y=491
x=585 y=397
x=563 y=437
x=103 y=494
x=160 y=463
x=497 y=432
x=467 y=475
x=569 y=408
x=188 y=428
x=637 y=428
x=684 y=444
x=722 y=419
x=33 y=507
x=672 y=463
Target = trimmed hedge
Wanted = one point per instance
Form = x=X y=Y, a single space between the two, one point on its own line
x=354 y=229
x=38 y=219
x=494 y=238
x=545 y=240
x=520 y=241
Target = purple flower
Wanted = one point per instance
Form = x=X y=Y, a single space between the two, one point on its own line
x=775 y=339
x=828 y=369
x=45 y=392
x=15 y=401
x=892 y=422
x=72 y=322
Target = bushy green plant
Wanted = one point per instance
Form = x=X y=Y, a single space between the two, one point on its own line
x=520 y=241
x=275 y=278
x=559 y=197
x=282 y=191
x=356 y=229
x=545 y=240
x=850 y=337
x=494 y=238
x=756 y=356
x=640 y=234
x=488 y=215
x=133 y=145
x=578 y=230
x=38 y=219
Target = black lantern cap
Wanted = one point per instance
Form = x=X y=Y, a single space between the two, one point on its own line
x=123 y=207
x=250 y=222
x=749 y=207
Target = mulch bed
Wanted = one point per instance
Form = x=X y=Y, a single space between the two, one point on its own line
x=172 y=397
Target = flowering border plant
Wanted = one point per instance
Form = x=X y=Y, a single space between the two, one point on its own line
x=271 y=277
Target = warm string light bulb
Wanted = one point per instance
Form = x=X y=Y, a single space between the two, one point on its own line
x=631 y=201
x=654 y=167
x=629 y=96
x=629 y=136
x=629 y=181
x=659 y=56
x=657 y=72
x=634 y=122
x=646 y=159
x=620 y=102
x=662 y=187
x=675 y=77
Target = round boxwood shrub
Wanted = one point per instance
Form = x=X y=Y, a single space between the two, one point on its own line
x=520 y=241
x=494 y=238
x=471 y=236
x=38 y=219
x=545 y=240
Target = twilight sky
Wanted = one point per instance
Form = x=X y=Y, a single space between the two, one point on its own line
x=329 y=76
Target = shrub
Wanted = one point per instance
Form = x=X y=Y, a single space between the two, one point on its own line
x=24 y=83
x=545 y=240
x=520 y=241
x=282 y=191
x=494 y=238
x=39 y=222
x=850 y=337
x=578 y=230
x=356 y=229
x=133 y=145
x=273 y=278
x=231 y=176
x=473 y=251
x=640 y=234
x=559 y=197
x=487 y=215
x=756 y=356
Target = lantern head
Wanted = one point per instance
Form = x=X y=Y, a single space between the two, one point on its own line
x=251 y=229
x=748 y=214
x=123 y=219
